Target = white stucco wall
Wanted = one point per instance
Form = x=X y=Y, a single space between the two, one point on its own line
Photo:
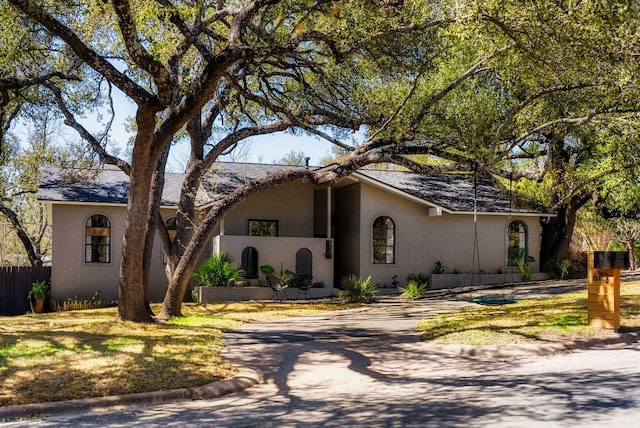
x=422 y=240
x=274 y=251
x=291 y=205
x=72 y=276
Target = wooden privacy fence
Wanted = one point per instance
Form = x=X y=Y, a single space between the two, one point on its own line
x=15 y=283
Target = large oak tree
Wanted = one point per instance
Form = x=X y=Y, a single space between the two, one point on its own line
x=273 y=64
x=479 y=86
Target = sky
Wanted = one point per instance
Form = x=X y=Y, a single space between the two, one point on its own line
x=262 y=149
x=265 y=149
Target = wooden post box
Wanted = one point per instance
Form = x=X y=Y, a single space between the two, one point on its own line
x=603 y=302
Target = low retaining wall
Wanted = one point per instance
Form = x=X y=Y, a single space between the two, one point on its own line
x=452 y=280
x=237 y=294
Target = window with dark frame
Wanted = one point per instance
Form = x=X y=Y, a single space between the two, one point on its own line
x=171 y=224
x=384 y=241
x=516 y=242
x=262 y=227
x=97 y=239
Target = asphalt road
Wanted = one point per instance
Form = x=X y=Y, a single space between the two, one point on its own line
x=366 y=368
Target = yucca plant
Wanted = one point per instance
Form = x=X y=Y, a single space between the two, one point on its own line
x=219 y=271
x=358 y=290
x=414 y=290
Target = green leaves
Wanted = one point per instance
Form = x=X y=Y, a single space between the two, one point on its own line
x=358 y=290
x=219 y=271
x=414 y=290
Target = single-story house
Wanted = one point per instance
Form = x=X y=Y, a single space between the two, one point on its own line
x=380 y=223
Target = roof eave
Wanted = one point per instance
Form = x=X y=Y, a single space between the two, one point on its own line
x=89 y=203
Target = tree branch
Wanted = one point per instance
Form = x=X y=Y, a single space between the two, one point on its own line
x=139 y=54
x=22 y=234
x=21 y=82
x=328 y=137
x=545 y=91
x=93 y=59
x=71 y=121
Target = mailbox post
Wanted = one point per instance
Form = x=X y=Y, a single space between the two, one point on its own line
x=603 y=302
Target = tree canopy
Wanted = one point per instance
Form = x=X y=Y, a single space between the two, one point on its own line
x=516 y=90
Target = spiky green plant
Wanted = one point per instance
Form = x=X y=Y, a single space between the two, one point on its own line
x=358 y=290
x=414 y=289
x=219 y=271
x=420 y=278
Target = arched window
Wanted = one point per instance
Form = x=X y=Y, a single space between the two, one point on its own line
x=304 y=262
x=517 y=242
x=250 y=262
x=97 y=241
x=384 y=240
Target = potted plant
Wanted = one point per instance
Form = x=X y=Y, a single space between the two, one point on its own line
x=38 y=295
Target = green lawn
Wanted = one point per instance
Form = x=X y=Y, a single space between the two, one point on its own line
x=553 y=319
x=67 y=355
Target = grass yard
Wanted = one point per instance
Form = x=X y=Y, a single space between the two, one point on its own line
x=553 y=319
x=68 y=355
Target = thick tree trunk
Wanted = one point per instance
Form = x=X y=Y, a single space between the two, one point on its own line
x=131 y=303
x=631 y=248
x=172 y=304
x=180 y=276
x=181 y=263
x=155 y=201
x=557 y=231
x=132 y=291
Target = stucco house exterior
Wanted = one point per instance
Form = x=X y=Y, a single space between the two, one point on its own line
x=387 y=224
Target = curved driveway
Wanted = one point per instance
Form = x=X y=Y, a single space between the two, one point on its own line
x=366 y=368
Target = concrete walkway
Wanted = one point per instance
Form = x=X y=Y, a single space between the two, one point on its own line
x=381 y=331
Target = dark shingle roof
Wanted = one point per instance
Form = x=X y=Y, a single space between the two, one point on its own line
x=109 y=186
x=223 y=178
x=453 y=192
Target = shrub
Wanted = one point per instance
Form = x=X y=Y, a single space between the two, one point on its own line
x=286 y=277
x=418 y=277
x=559 y=269
x=523 y=259
x=76 y=304
x=358 y=290
x=439 y=267
x=219 y=271
x=414 y=289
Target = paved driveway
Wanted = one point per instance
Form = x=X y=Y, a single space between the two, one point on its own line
x=366 y=368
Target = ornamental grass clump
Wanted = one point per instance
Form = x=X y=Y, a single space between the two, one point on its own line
x=358 y=290
x=414 y=290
